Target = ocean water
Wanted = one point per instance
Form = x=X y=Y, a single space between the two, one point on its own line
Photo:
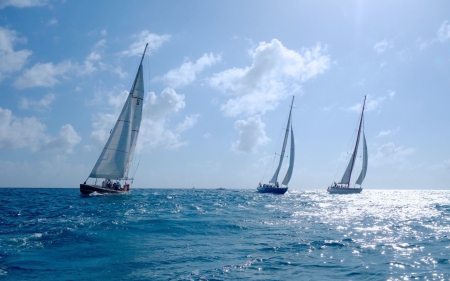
x=186 y=234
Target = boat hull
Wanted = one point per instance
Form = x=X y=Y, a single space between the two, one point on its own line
x=268 y=189
x=344 y=190
x=88 y=189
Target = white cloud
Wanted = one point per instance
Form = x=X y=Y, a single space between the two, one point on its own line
x=155 y=126
x=114 y=69
x=100 y=44
x=93 y=56
x=22 y=3
x=391 y=94
x=88 y=67
x=92 y=62
x=273 y=75
x=43 y=75
x=328 y=108
x=372 y=103
x=165 y=104
x=384 y=133
x=187 y=72
x=49 y=74
x=29 y=132
x=390 y=154
x=188 y=123
x=154 y=42
x=382 y=46
x=207 y=135
x=160 y=109
x=103 y=125
x=251 y=135
x=66 y=140
x=10 y=60
x=445 y=165
x=52 y=21
x=423 y=46
x=444 y=31
x=20 y=132
x=39 y=105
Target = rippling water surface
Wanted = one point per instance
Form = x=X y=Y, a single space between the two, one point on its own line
x=161 y=234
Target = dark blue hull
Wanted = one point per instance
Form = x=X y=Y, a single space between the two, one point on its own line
x=88 y=189
x=270 y=189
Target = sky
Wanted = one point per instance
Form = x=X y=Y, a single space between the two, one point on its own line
x=219 y=77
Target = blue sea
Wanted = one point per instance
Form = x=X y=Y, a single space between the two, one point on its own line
x=191 y=234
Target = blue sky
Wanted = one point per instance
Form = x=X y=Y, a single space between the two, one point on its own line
x=219 y=77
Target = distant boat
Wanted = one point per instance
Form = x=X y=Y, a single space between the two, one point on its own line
x=343 y=187
x=115 y=160
x=273 y=186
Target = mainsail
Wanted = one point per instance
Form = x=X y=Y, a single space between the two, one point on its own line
x=277 y=171
x=115 y=160
x=288 y=176
x=364 y=166
x=348 y=172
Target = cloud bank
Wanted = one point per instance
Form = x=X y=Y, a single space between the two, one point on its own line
x=29 y=133
x=188 y=71
x=275 y=73
x=11 y=60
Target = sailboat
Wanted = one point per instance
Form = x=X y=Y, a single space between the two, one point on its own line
x=343 y=187
x=114 y=162
x=273 y=186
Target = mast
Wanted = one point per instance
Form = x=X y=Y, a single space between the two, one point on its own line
x=357 y=142
x=275 y=176
x=143 y=54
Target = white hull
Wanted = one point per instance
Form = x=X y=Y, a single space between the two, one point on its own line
x=344 y=190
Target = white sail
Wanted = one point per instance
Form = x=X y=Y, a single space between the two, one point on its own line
x=116 y=157
x=288 y=176
x=364 y=167
x=138 y=99
x=348 y=172
x=275 y=176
